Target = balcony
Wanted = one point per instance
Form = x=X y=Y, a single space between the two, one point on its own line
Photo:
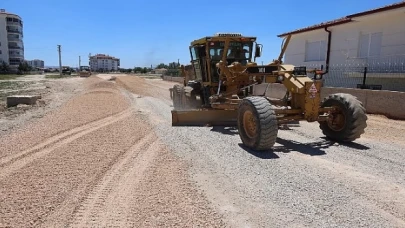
x=15 y=22
x=14 y=31
x=15 y=61
x=15 y=48
x=15 y=39
x=16 y=55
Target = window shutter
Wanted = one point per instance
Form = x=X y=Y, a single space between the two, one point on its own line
x=312 y=51
x=322 y=50
x=375 y=44
x=363 y=45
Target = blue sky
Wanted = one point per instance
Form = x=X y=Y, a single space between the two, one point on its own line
x=142 y=33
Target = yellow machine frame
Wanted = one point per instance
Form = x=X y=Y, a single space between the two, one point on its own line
x=301 y=102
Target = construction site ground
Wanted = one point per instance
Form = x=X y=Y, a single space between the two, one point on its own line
x=99 y=153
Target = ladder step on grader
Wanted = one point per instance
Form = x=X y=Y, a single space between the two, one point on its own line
x=220 y=93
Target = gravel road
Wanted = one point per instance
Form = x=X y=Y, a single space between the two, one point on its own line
x=109 y=157
x=306 y=181
x=96 y=162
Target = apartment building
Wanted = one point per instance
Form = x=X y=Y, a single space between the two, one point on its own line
x=36 y=63
x=11 y=39
x=102 y=62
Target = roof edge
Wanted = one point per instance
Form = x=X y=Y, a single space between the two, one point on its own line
x=346 y=19
x=318 y=26
x=378 y=10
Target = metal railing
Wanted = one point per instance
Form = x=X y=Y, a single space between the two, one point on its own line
x=384 y=73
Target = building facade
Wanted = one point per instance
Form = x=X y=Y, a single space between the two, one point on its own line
x=11 y=39
x=36 y=63
x=104 y=63
x=371 y=42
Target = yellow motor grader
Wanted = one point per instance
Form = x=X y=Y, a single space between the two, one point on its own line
x=221 y=94
x=84 y=71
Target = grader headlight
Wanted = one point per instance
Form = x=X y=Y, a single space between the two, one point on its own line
x=318 y=76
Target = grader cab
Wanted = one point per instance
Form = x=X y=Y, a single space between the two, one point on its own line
x=221 y=94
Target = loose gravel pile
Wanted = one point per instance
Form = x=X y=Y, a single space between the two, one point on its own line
x=53 y=94
x=96 y=162
x=147 y=87
x=383 y=129
x=91 y=105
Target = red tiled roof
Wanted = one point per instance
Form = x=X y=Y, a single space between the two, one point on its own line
x=346 y=19
x=379 y=9
x=339 y=21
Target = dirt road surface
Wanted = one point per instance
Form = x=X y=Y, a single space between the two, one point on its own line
x=109 y=157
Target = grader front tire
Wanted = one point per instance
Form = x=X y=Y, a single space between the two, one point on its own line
x=257 y=123
x=349 y=122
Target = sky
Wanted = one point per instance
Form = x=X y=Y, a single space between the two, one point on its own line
x=145 y=33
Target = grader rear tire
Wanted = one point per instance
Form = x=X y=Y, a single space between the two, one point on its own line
x=349 y=122
x=257 y=123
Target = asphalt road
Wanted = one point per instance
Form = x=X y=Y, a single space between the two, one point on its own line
x=305 y=181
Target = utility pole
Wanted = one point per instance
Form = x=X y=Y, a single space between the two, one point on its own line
x=90 y=61
x=80 y=61
x=60 y=60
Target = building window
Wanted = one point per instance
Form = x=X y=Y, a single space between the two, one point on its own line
x=370 y=45
x=315 y=51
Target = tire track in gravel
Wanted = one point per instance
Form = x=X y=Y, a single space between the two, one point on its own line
x=352 y=182
x=10 y=164
x=385 y=197
x=378 y=193
x=110 y=201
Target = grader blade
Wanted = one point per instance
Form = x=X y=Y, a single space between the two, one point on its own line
x=204 y=118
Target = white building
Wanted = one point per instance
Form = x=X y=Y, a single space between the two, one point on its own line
x=102 y=62
x=11 y=39
x=36 y=63
x=374 y=39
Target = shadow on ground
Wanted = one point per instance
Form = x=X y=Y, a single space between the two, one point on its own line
x=312 y=149
x=352 y=145
x=225 y=130
x=234 y=130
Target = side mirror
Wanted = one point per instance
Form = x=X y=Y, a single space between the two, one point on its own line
x=258 y=50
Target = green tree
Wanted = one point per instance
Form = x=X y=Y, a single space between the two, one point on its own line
x=173 y=65
x=4 y=68
x=23 y=67
x=138 y=69
x=162 y=65
x=144 y=70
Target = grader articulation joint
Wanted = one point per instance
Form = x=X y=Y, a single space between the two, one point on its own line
x=220 y=93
